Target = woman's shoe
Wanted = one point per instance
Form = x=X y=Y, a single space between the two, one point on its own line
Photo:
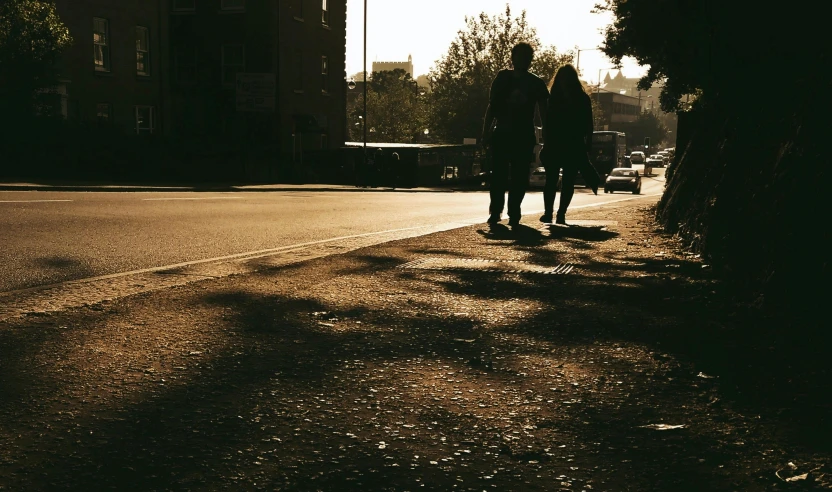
x=546 y=218
x=561 y=219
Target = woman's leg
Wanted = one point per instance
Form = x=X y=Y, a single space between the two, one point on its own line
x=567 y=190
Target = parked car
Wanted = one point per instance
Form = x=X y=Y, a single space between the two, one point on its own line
x=656 y=160
x=637 y=157
x=538 y=178
x=623 y=179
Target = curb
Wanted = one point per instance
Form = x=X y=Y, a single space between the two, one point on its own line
x=116 y=189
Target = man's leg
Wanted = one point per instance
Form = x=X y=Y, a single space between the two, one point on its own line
x=520 y=168
x=499 y=182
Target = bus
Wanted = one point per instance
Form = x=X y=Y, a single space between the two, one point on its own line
x=608 y=149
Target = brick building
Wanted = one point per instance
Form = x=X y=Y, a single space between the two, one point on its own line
x=301 y=44
x=170 y=68
x=615 y=108
x=113 y=73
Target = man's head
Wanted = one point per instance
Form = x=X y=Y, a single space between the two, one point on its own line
x=521 y=56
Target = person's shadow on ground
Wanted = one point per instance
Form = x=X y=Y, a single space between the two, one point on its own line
x=520 y=234
x=584 y=233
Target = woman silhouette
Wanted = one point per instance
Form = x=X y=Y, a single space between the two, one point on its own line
x=567 y=137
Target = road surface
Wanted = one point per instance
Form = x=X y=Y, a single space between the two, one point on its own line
x=52 y=237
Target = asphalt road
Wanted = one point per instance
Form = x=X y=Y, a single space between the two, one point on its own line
x=51 y=237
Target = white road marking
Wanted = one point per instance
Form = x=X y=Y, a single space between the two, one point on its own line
x=246 y=255
x=599 y=204
x=288 y=249
x=194 y=198
x=32 y=201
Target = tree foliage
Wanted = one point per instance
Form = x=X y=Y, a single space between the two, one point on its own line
x=32 y=38
x=707 y=48
x=395 y=109
x=460 y=81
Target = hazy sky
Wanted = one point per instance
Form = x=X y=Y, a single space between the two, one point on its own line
x=425 y=29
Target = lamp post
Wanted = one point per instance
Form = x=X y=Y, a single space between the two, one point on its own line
x=365 y=84
x=578 y=60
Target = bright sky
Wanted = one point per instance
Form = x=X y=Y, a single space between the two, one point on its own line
x=426 y=28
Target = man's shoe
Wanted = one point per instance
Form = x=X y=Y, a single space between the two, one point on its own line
x=514 y=221
x=561 y=219
x=546 y=218
x=494 y=218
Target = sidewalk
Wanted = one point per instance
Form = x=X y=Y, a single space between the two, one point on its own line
x=208 y=187
x=592 y=357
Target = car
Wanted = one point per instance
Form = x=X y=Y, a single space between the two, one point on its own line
x=537 y=179
x=637 y=157
x=623 y=179
x=657 y=160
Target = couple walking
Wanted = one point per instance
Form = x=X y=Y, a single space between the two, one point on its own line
x=509 y=134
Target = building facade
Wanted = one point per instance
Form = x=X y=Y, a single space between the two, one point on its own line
x=261 y=80
x=114 y=72
x=615 y=108
x=297 y=48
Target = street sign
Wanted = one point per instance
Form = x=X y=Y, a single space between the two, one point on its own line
x=256 y=92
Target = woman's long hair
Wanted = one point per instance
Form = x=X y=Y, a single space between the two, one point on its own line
x=566 y=86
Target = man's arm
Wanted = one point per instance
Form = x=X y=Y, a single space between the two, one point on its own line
x=487 y=125
x=543 y=110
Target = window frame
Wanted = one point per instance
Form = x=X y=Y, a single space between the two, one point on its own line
x=147 y=72
x=108 y=119
x=106 y=65
x=224 y=65
x=324 y=74
x=324 y=13
x=152 y=127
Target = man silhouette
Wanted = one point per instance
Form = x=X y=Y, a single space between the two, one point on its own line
x=509 y=134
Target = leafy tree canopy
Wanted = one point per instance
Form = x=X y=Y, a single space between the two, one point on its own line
x=460 y=81
x=32 y=38
x=395 y=109
x=704 y=48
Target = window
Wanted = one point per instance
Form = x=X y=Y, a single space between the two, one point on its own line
x=233 y=4
x=101 y=44
x=104 y=113
x=184 y=5
x=233 y=61
x=324 y=13
x=142 y=51
x=298 y=71
x=324 y=75
x=144 y=120
x=184 y=63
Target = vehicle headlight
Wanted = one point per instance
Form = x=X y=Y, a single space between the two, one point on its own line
x=633 y=180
